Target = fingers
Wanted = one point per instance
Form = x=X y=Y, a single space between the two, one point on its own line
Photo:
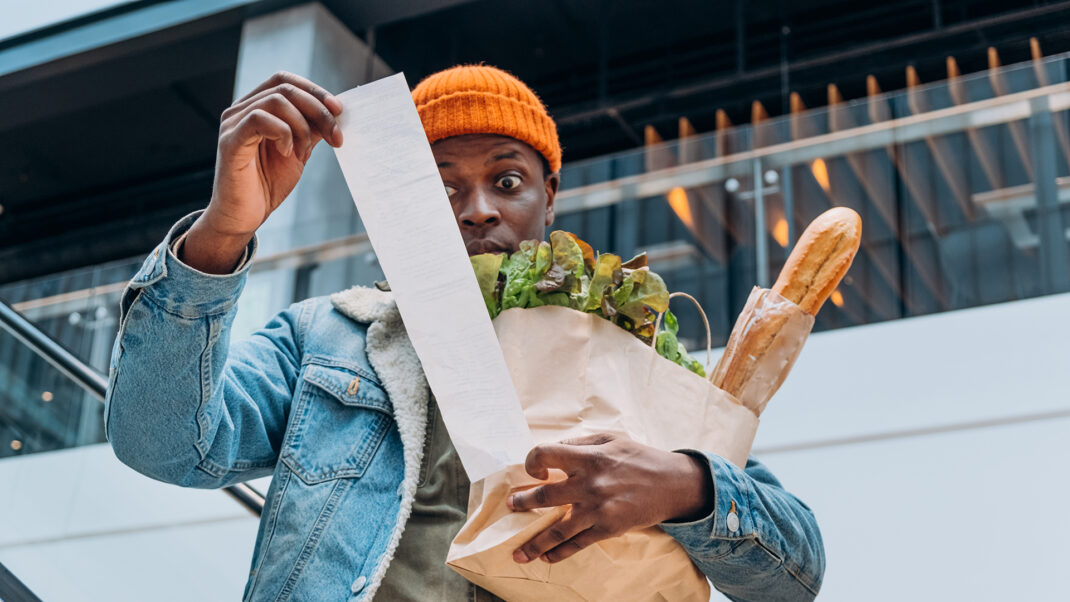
x=543 y=496
x=554 y=536
x=583 y=540
x=283 y=77
x=569 y=455
x=309 y=110
x=306 y=108
x=542 y=458
x=260 y=125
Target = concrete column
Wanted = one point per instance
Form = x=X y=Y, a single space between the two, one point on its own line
x=309 y=41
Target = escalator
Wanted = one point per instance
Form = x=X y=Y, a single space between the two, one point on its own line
x=51 y=400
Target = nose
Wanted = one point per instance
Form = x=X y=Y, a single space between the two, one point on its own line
x=478 y=210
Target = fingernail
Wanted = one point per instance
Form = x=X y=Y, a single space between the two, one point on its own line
x=336 y=102
x=336 y=135
x=520 y=557
x=509 y=503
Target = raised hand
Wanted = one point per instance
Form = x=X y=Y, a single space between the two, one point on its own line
x=265 y=139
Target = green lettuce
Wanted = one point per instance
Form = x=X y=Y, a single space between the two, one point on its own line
x=567 y=272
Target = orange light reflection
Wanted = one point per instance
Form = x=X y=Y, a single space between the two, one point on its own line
x=821 y=174
x=678 y=203
x=780 y=232
x=837 y=298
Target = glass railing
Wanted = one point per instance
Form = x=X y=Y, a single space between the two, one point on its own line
x=50 y=399
x=44 y=405
x=41 y=408
x=963 y=186
x=78 y=309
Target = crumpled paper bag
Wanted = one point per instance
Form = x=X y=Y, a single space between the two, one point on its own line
x=578 y=374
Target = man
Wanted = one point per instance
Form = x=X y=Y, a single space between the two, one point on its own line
x=330 y=399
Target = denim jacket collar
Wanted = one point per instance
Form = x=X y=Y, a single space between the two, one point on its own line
x=391 y=355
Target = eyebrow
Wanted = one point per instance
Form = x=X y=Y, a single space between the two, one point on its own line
x=501 y=156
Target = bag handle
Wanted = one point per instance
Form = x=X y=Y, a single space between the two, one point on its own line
x=705 y=322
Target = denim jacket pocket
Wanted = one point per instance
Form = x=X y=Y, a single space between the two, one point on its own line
x=340 y=417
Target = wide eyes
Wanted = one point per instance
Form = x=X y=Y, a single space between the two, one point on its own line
x=508 y=182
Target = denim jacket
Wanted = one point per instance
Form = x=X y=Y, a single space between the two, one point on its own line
x=330 y=399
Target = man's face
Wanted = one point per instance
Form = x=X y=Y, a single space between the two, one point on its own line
x=498 y=190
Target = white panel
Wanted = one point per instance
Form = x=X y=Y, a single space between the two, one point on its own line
x=205 y=561
x=974 y=515
x=36 y=494
x=85 y=491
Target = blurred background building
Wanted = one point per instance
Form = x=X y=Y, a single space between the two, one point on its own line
x=926 y=420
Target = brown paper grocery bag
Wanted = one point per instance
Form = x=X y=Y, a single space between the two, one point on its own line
x=579 y=374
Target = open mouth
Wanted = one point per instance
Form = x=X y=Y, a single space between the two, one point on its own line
x=475 y=247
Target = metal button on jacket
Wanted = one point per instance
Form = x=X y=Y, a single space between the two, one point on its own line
x=733 y=519
x=358 y=584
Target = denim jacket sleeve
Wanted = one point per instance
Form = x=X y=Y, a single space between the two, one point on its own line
x=760 y=543
x=182 y=405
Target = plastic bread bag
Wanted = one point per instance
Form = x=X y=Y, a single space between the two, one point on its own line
x=767 y=338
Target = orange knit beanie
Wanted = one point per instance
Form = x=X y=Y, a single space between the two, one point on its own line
x=478 y=99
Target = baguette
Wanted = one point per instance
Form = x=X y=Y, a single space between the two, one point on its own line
x=812 y=272
x=820 y=259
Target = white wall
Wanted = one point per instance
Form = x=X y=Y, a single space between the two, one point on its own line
x=932 y=450
x=79 y=526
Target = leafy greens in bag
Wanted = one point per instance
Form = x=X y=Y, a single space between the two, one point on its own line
x=567 y=272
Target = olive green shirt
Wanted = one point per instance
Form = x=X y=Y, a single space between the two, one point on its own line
x=418 y=572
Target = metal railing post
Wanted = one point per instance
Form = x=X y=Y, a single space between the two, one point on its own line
x=761 y=243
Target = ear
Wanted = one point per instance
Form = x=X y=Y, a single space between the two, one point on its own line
x=551 y=183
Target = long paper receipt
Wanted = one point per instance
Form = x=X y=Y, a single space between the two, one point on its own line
x=398 y=191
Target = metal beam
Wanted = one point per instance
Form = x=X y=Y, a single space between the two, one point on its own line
x=877 y=105
x=879 y=188
x=878 y=135
x=95 y=85
x=371 y=14
x=998 y=79
x=947 y=159
x=985 y=153
x=127 y=26
x=1054 y=265
x=1039 y=69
